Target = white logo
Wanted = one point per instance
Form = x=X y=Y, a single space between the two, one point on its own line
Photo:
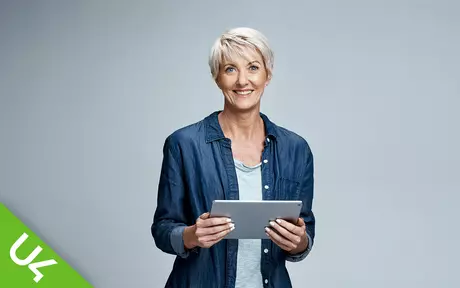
x=32 y=266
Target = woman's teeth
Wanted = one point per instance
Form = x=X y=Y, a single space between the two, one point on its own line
x=247 y=92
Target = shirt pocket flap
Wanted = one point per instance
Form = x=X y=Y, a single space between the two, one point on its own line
x=286 y=189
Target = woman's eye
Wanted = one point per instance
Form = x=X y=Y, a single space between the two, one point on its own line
x=254 y=68
x=229 y=69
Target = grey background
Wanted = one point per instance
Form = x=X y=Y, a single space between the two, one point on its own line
x=90 y=89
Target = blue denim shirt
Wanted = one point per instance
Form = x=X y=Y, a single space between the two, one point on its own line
x=198 y=168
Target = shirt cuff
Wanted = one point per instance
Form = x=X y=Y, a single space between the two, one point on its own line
x=300 y=256
x=177 y=241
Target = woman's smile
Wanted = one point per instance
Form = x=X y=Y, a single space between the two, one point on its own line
x=243 y=93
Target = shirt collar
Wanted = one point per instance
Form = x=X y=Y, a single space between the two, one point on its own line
x=214 y=131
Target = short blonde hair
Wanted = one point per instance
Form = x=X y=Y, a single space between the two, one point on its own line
x=234 y=42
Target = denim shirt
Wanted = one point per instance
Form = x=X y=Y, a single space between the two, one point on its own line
x=198 y=168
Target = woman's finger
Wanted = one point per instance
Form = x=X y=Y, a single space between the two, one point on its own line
x=204 y=215
x=213 y=221
x=203 y=231
x=216 y=237
x=284 y=243
x=297 y=229
x=287 y=234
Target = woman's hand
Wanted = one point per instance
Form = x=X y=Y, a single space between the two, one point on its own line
x=207 y=231
x=289 y=237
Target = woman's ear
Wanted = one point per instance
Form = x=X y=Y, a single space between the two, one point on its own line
x=269 y=78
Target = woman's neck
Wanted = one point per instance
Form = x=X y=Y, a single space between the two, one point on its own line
x=242 y=126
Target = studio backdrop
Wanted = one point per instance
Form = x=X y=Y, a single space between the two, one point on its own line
x=89 y=90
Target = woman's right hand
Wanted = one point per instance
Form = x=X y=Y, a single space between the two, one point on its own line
x=207 y=231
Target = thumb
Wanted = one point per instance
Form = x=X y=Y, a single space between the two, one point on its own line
x=204 y=215
x=300 y=222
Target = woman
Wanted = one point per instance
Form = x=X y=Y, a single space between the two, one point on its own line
x=236 y=153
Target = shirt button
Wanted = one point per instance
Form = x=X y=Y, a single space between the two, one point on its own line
x=268 y=139
x=265 y=161
x=265 y=250
x=266 y=187
x=266 y=281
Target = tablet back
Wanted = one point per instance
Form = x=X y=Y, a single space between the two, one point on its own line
x=251 y=217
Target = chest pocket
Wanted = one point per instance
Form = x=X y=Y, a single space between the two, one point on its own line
x=286 y=189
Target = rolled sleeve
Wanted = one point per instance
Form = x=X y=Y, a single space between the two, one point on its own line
x=177 y=241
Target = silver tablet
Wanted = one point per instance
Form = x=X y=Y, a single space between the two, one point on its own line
x=251 y=217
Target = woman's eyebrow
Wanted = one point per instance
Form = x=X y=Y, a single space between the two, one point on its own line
x=232 y=64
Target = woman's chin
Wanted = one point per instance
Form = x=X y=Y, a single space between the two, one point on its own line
x=245 y=106
x=243 y=103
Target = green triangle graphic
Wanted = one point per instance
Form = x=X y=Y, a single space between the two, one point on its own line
x=18 y=266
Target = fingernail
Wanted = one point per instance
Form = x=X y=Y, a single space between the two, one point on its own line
x=272 y=223
x=229 y=220
x=232 y=225
x=267 y=229
x=278 y=221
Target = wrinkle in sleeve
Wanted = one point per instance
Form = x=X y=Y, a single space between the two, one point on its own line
x=169 y=218
x=306 y=195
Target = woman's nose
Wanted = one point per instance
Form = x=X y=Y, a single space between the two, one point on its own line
x=242 y=79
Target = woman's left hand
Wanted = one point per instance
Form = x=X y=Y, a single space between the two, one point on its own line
x=288 y=236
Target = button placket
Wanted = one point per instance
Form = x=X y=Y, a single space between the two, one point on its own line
x=266 y=176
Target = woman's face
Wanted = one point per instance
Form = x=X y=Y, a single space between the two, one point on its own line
x=243 y=80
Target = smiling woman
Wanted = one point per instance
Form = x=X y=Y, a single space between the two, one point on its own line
x=241 y=64
x=234 y=153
